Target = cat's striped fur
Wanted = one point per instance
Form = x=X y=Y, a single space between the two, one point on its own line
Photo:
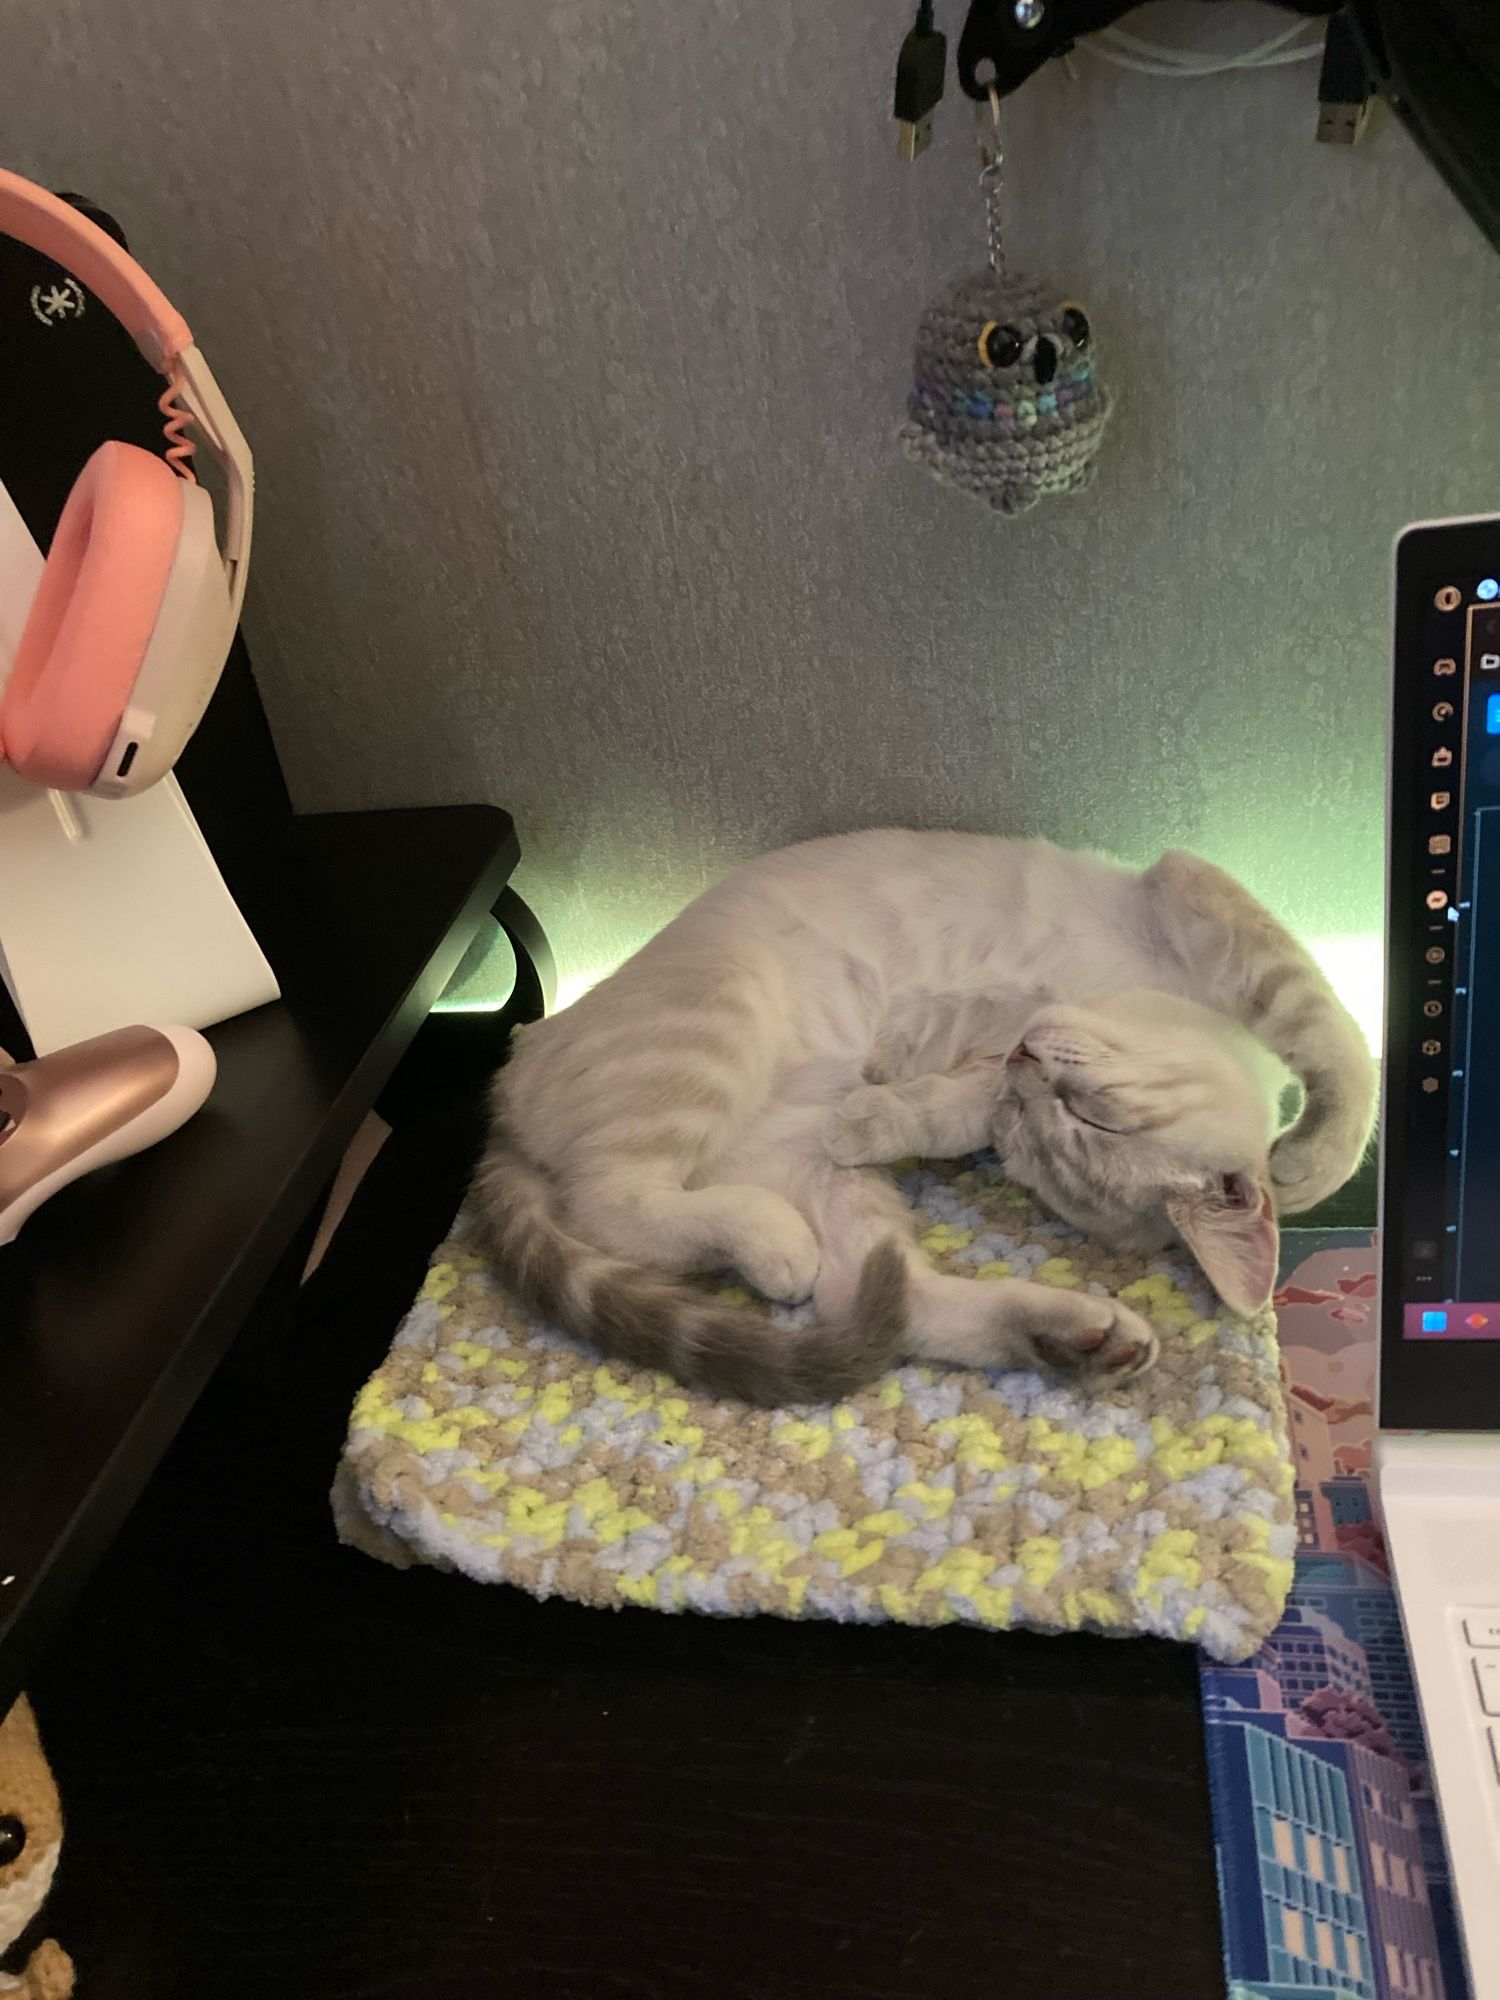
x=720 y=1101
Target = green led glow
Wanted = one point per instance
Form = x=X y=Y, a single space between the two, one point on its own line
x=572 y=986
x=1353 y=963
x=485 y=976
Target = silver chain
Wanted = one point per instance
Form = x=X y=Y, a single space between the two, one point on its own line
x=991 y=177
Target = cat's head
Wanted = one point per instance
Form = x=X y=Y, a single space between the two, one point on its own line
x=1143 y=1118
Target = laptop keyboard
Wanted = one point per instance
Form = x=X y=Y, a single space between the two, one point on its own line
x=1481 y=1632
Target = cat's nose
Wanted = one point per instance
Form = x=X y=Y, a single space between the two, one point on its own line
x=1021 y=1054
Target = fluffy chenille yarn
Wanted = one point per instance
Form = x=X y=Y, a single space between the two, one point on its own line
x=513 y=1453
x=1005 y=401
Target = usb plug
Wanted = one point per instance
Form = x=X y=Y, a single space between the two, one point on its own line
x=920 y=69
x=1345 y=93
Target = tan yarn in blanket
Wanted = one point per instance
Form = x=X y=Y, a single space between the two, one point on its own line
x=513 y=1453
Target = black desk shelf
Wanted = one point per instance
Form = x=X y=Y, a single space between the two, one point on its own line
x=122 y=1294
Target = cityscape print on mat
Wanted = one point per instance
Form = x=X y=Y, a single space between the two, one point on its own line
x=1332 y=1875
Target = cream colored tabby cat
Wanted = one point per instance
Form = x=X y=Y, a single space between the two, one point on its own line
x=719 y=1102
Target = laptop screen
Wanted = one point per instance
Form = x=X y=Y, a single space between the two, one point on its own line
x=1441 y=1155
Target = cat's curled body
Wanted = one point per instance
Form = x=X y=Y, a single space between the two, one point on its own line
x=723 y=1100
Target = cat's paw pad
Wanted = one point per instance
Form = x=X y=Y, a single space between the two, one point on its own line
x=863 y=1130
x=783 y=1271
x=1100 y=1339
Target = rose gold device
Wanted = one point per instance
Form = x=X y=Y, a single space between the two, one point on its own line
x=84 y=1106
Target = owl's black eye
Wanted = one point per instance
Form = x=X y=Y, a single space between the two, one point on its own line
x=12 y=1839
x=1044 y=361
x=1075 y=324
x=1000 y=345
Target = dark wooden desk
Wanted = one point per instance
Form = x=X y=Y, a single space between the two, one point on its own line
x=294 y=1774
x=121 y=1295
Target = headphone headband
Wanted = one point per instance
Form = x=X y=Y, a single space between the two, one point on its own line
x=38 y=219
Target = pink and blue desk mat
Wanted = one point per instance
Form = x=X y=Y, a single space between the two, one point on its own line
x=1332 y=1873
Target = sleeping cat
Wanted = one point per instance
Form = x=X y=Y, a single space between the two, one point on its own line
x=1121 y=1037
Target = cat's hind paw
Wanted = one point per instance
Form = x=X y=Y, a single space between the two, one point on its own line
x=1094 y=1337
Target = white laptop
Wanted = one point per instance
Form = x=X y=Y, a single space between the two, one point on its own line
x=1438 y=1453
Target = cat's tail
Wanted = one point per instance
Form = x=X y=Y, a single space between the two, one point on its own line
x=1247 y=964
x=651 y=1320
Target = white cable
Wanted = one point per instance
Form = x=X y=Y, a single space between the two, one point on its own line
x=1172 y=64
x=1122 y=61
x=1132 y=52
x=1157 y=67
x=1196 y=58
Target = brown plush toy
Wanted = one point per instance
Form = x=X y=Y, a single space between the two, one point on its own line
x=30 y=1837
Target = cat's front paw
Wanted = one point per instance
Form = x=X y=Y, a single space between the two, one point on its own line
x=865 y=1130
x=783 y=1272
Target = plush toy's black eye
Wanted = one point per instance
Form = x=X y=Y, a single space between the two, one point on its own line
x=12 y=1839
x=1000 y=345
x=1075 y=324
x=1044 y=361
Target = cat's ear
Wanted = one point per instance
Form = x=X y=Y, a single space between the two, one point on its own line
x=1230 y=1227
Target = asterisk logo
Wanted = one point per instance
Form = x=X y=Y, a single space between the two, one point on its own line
x=50 y=303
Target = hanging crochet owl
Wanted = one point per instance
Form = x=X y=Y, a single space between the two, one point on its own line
x=1005 y=402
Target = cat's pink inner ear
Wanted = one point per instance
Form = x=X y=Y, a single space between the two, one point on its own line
x=1231 y=1230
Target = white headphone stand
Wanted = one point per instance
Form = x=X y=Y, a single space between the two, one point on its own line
x=112 y=912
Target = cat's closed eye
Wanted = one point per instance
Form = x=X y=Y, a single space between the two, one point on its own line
x=1097 y=1124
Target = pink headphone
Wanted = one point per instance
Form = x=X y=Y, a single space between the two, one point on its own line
x=136 y=611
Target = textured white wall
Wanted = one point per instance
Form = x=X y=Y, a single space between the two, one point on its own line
x=571 y=340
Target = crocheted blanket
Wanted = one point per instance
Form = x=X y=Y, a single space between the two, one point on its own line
x=513 y=1453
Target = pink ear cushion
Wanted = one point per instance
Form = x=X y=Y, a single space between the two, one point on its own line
x=92 y=617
